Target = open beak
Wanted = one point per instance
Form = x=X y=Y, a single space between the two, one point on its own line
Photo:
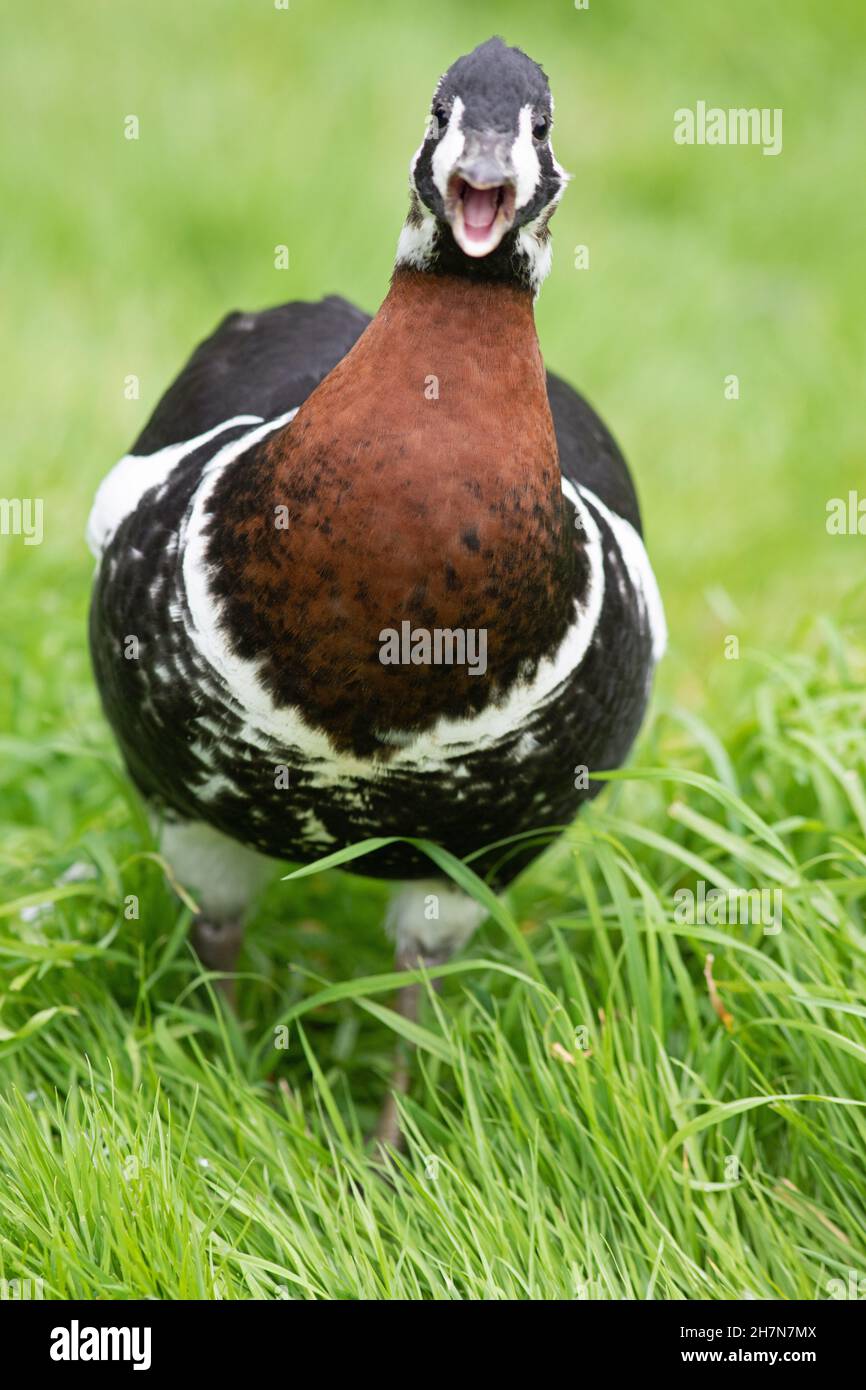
x=480 y=197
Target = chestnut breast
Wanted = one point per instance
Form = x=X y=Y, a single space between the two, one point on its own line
x=418 y=484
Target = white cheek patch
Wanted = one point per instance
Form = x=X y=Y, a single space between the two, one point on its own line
x=524 y=159
x=449 y=149
x=415 y=246
x=538 y=252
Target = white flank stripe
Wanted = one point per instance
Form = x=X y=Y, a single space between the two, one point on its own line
x=640 y=571
x=122 y=489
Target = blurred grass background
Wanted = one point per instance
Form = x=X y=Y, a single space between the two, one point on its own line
x=261 y=127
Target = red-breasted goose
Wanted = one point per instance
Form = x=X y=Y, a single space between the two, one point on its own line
x=369 y=577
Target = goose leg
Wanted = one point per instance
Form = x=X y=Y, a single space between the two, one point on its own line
x=388 y=1133
x=224 y=877
x=218 y=945
x=429 y=920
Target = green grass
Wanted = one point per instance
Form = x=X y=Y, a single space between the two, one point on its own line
x=577 y=1101
x=583 y=1121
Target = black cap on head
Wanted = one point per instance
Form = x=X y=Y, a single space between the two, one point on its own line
x=485 y=180
x=494 y=82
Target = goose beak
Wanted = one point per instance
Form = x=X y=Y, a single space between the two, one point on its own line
x=480 y=198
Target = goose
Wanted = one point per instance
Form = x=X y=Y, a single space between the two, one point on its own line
x=381 y=577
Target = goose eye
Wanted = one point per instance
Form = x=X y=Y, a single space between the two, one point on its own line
x=440 y=119
x=541 y=128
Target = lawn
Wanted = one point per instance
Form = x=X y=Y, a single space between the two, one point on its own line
x=598 y=1110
